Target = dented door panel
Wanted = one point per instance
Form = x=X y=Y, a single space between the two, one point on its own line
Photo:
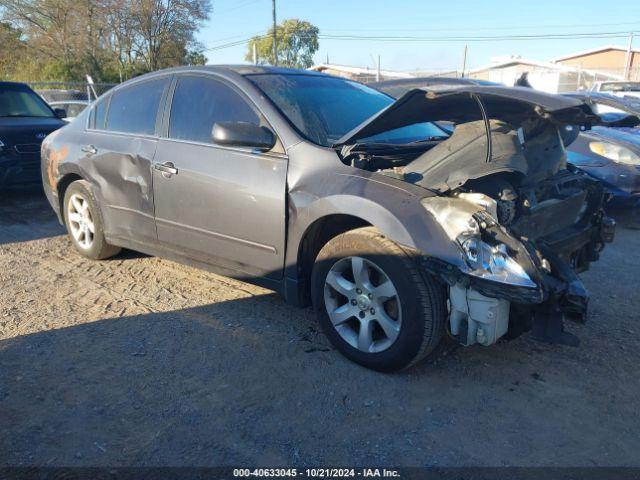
x=121 y=169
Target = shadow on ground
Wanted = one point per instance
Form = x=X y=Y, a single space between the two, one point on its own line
x=222 y=385
x=26 y=215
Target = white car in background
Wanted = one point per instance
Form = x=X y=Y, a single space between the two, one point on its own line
x=72 y=107
x=617 y=88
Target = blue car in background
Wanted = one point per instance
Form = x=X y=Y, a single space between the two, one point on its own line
x=25 y=120
x=611 y=154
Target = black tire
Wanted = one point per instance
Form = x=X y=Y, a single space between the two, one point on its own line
x=99 y=248
x=422 y=299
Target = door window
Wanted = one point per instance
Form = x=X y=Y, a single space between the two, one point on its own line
x=135 y=109
x=199 y=102
x=99 y=114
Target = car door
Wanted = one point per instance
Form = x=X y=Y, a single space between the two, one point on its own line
x=119 y=147
x=220 y=205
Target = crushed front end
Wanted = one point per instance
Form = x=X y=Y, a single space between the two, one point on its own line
x=522 y=276
x=524 y=221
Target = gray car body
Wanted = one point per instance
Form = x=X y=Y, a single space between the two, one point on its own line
x=262 y=215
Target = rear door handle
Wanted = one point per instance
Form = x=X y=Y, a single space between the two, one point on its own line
x=89 y=149
x=166 y=167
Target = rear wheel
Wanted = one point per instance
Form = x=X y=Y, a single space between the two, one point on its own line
x=374 y=303
x=84 y=222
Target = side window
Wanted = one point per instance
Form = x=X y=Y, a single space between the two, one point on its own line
x=199 y=102
x=99 y=114
x=135 y=109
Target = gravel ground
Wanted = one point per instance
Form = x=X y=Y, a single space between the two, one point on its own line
x=140 y=361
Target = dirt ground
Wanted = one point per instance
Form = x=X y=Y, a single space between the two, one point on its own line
x=141 y=361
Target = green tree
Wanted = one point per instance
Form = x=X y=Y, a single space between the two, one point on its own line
x=195 y=57
x=109 y=39
x=12 y=49
x=297 y=42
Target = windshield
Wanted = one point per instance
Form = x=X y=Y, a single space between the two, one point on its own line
x=621 y=87
x=324 y=109
x=21 y=101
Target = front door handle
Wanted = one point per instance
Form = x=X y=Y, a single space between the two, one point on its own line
x=166 y=167
x=89 y=149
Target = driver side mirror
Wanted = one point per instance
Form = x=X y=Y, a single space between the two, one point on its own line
x=243 y=134
x=60 y=112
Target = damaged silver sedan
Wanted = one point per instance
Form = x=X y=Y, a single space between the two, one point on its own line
x=447 y=212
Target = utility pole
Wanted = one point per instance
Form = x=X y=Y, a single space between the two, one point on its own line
x=275 y=39
x=627 y=58
x=378 y=70
x=464 y=60
x=255 y=54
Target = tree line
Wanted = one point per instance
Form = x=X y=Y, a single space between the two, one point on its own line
x=111 y=40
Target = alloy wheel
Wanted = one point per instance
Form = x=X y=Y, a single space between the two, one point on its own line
x=80 y=221
x=363 y=304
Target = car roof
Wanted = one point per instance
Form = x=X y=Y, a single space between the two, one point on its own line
x=20 y=84
x=228 y=71
x=237 y=69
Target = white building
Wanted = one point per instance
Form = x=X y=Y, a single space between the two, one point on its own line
x=546 y=76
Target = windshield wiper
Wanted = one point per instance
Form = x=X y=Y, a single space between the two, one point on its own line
x=430 y=139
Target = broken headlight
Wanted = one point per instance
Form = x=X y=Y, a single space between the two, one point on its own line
x=617 y=153
x=493 y=262
x=490 y=262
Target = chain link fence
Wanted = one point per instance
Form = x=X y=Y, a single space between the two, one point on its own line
x=70 y=91
x=554 y=80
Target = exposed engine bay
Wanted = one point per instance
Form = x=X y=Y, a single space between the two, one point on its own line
x=525 y=220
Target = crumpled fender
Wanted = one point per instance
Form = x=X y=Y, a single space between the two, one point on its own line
x=378 y=203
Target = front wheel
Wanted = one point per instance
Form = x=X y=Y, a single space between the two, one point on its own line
x=374 y=303
x=84 y=223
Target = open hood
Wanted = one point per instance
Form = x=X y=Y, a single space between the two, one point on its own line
x=468 y=103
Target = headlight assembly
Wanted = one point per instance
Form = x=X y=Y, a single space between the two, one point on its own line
x=617 y=153
x=489 y=262
x=492 y=262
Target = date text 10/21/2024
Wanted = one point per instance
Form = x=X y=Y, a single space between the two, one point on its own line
x=317 y=472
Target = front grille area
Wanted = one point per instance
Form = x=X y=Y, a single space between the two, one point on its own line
x=27 y=148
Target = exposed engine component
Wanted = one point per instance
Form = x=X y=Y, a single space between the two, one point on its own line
x=475 y=318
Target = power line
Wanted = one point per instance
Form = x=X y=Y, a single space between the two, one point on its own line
x=545 y=36
x=511 y=27
x=237 y=37
x=405 y=38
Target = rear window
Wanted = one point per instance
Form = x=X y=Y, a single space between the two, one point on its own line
x=135 y=109
x=21 y=101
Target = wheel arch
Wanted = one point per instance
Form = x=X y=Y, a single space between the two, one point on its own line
x=325 y=219
x=62 y=186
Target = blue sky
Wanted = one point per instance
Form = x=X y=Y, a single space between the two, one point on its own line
x=234 y=20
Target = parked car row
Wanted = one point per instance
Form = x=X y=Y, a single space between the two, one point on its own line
x=611 y=154
x=450 y=211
